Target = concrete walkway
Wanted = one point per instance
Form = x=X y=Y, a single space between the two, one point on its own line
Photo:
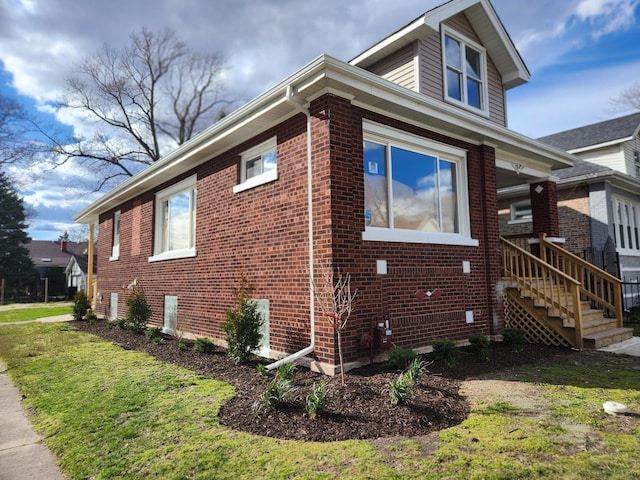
x=628 y=347
x=22 y=455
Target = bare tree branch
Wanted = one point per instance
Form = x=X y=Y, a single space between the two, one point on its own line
x=628 y=98
x=151 y=95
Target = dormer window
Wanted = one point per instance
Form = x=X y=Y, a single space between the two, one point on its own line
x=465 y=71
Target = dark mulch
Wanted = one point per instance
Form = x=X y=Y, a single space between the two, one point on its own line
x=360 y=410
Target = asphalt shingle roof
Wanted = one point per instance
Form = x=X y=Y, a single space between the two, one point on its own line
x=594 y=134
x=47 y=253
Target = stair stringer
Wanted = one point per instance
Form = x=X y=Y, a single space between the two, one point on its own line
x=521 y=314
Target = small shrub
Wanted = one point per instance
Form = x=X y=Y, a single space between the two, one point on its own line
x=286 y=371
x=316 y=401
x=401 y=357
x=91 y=317
x=513 y=338
x=445 y=349
x=243 y=324
x=120 y=322
x=181 y=346
x=154 y=334
x=274 y=395
x=203 y=345
x=81 y=305
x=480 y=344
x=138 y=310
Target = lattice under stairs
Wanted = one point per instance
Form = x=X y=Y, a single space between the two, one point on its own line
x=543 y=324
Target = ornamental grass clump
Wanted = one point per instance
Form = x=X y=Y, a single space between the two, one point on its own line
x=401 y=389
x=316 y=402
x=276 y=393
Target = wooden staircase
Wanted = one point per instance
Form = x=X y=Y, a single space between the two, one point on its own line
x=560 y=299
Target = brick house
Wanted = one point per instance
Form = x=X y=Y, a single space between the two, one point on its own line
x=385 y=167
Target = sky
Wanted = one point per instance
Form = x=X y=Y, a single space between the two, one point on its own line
x=581 y=54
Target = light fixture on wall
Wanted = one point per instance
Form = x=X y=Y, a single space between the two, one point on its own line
x=518 y=167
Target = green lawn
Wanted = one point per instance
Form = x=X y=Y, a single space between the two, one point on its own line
x=107 y=412
x=31 y=313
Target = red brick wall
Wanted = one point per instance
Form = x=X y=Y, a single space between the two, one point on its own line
x=262 y=232
x=574 y=218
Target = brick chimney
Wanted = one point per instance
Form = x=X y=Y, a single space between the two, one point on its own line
x=63 y=246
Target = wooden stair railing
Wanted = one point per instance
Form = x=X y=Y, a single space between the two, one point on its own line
x=546 y=285
x=600 y=288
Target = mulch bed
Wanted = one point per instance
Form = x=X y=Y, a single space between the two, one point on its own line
x=362 y=409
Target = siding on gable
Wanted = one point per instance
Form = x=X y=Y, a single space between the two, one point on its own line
x=612 y=157
x=630 y=162
x=399 y=68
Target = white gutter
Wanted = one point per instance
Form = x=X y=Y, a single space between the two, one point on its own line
x=312 y=316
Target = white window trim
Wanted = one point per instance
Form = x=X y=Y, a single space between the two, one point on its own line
x=159 y=254
x=266 y=177
x=512 y=213
x=634 y=250
x=484 y=73
x=115 y=248
x=376 y=132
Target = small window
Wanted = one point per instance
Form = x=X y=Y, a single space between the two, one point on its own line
x=175 y=221
x=521 y=212
x=115 y=244
x=465 y=71
x=258 y=165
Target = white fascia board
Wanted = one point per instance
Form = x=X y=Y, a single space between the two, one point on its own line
x=393 y=42
x=600 y=145
x=169 y=166
x=372 y=84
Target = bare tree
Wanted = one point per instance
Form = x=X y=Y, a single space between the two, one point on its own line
x=335 y=298
x=628 y=98
x=146 y=98
x=14 y=145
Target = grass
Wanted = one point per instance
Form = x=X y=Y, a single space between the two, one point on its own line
x=24 y=314
x=111 y=413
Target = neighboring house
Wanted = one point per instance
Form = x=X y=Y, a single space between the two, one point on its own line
x=598 y=199
x=64 y=263
x=385 y=167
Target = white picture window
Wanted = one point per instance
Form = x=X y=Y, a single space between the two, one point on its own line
x=175 y=221
x=415 y=189
x=258 y=165
x=115 y=243
x=465 y=68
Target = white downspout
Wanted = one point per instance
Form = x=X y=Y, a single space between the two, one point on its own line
x=312 y=316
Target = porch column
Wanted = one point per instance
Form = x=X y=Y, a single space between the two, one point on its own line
x=544 y=208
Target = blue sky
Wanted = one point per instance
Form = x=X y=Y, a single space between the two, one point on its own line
x=581 y=53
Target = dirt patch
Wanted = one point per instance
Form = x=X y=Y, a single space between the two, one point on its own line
x=362 y=409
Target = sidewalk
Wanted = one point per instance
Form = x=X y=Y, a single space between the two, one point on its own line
x=22 y=455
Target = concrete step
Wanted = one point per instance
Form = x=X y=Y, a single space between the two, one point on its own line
x=607 y=337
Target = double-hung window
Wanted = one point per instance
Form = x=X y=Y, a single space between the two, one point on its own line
x=258 y=166
x=115 y=242
x=175 y=221
x=415 y=189
x=465 y=71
